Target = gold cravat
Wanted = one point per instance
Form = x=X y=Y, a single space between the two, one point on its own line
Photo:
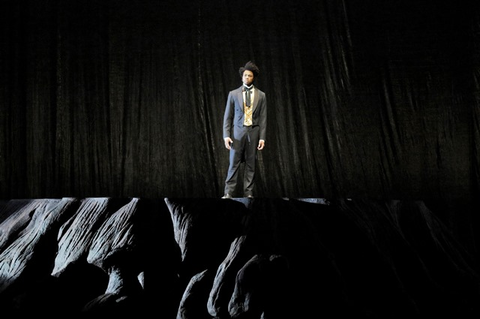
x=248 y=115
x=248 y=110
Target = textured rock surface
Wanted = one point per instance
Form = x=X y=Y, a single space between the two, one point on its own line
x=213 y=258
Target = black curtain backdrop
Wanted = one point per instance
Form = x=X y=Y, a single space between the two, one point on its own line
x=121 y=98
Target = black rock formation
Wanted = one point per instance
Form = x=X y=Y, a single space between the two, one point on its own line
x=235 y=258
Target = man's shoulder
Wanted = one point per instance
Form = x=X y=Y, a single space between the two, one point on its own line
x=260 y=92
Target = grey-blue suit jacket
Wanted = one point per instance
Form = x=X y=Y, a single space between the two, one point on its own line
x=234 y=114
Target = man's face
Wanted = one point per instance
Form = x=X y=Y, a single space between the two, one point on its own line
x=247 y=77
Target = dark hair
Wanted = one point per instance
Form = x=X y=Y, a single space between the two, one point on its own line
x=250 y=66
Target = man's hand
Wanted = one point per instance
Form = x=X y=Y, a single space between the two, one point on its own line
x=261 y=145
x=228 y=142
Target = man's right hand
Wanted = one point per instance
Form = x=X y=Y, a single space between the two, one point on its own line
x=228 y=142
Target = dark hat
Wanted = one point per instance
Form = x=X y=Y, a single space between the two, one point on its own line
x=250 y=66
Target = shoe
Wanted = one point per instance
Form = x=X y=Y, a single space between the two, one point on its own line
x=227 y=196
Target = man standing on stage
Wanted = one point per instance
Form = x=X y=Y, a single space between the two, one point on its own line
x=244 y=129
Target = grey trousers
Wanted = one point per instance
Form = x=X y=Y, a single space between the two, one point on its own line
x=244 y=150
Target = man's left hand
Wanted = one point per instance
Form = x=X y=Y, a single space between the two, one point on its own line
x=261 y=145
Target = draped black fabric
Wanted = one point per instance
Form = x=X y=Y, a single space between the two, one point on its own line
x=126 y=98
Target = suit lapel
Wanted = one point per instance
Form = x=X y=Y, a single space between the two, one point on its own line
x=240 y=96
x=255 y=100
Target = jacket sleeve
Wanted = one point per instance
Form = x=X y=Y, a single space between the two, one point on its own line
x=263 y=119
x=228 y=116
